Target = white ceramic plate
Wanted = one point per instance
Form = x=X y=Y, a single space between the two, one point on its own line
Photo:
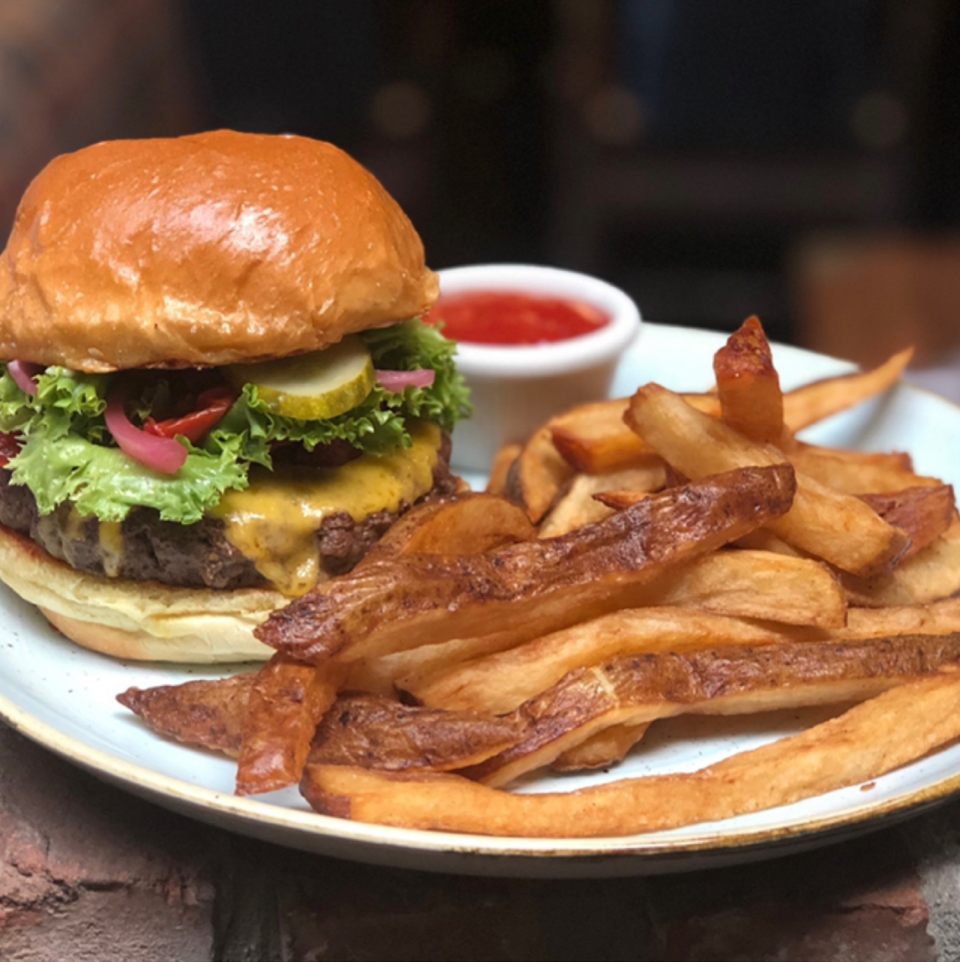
x=63 y=698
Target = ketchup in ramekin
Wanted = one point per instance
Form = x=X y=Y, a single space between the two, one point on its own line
x=522 y=353
x=511 y=318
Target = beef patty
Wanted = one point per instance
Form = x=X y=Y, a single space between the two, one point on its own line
x=145 y=548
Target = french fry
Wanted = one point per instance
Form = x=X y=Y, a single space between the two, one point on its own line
x=203 y=713
x=538 y=475
x=859 y=746
x=578 y=506
x=817 y=401
x=748 y=385
x=285 y=705
x=921 y=513
x=724 y=681
x=502 y=681
x=602 y=750
x=932 y=574
x=533 y=587
x=462 y=524
x=866 y=474
x=500 y=469
x=593 y=439
x=378 y=732
x=739 y=584
x=838 y=528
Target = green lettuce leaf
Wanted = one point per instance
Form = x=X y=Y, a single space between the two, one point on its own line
x=105 y=482
x=68 y=454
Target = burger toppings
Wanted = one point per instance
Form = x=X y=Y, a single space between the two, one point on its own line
x=159 y=453
x=322 y=384
x=23 y=372
x=178 y=441
x=398 y=380
x=211 y=406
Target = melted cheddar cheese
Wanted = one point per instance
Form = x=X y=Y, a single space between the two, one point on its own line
x=274 y=522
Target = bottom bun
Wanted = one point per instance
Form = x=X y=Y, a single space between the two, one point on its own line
x=138 y=620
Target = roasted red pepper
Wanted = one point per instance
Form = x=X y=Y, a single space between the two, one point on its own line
x=9 y=447
x=212 y=405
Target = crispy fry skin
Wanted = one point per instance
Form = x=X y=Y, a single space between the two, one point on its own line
x=500 y=469
x=724 y=681
x=502 y=681
x=462 y=524
x=930 y=575
x=376 y=732
x=602 y=750
x=578 y=505
x=836 y=527
x=359 y=729
x=538 y=475
x=537 y=586
x=922 y=513
x=748 y=384
x=739 y=584
x=865 y=742
x=208 y=714
x=286 y=703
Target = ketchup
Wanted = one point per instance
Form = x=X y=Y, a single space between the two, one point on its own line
x=504 y=317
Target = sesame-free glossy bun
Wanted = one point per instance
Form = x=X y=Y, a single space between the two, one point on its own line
x=203 y=250
x=138 y=620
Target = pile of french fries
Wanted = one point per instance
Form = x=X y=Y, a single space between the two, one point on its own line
x=635 y=560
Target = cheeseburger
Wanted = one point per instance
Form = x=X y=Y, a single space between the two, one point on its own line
x=216 y=390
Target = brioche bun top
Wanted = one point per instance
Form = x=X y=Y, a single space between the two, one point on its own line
x=204 y=250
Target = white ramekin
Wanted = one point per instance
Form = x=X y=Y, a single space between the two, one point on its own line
x=516 y=388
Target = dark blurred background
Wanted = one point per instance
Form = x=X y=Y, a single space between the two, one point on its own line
x=800 y=161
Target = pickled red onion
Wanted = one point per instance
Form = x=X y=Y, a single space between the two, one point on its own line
x=23 y=372
x=398 y=380
x=160 y=454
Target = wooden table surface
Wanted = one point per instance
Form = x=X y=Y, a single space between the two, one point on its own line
x=89 y=872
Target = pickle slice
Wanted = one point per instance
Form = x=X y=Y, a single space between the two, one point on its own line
x=308 y=387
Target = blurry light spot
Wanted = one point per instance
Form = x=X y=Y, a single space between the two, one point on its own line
x=878 y=120
x=485 y=75
x=401 y=110
x=615 y=115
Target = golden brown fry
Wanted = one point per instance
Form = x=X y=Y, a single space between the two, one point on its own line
x=502 y=681
x=538 y=475
x=463 y=524
x=500 y=469
x=867 y=741
x=376 y=732
x=855 y=473
x=286 y=703
x=602 y=750
x=577 y=506
x=922 y=513
x=204 y=713
x=532 y=587
x=593 y=439
x=748 y=384
x=814 y=402
x=739 y=584
x=838 y=528
x=617 y=500
x=932 y=574
x=735 y=680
